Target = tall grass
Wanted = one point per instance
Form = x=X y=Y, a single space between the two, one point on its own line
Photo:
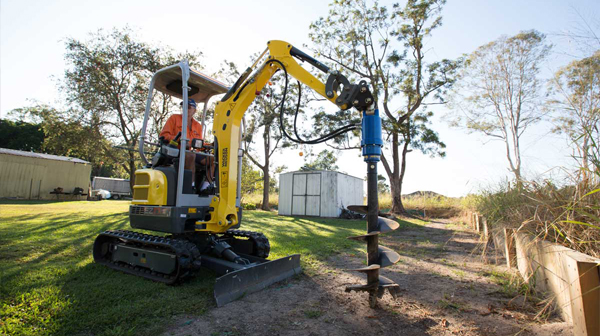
x=254 y=200
x=568 y=215
x=426 y=206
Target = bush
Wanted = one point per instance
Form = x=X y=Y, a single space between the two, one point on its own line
x=248 y=206
x=567 y=215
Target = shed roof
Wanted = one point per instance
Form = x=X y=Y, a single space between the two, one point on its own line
x=318 y=171
x=41 y=156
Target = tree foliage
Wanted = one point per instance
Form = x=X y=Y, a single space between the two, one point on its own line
x=261 y=124
x=21 y=135
x=577 y=91
x=386 y=46
x=325 y=160
x=106 y=82
x=65 y=135
x=499 y=91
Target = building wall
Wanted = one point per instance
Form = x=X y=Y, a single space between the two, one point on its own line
x=329 y=194
x=350 y=191
x=35 y=178
x=318 y=193
x=285 y=194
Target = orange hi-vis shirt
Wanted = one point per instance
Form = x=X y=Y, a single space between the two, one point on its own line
x=173 y=126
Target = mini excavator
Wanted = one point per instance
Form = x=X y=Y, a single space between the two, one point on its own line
x=203 y=228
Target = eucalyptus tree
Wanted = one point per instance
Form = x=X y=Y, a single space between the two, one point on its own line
x=261 y=122
x=499 y=92
x=107 y=80
x=387 y=47
x=577 y=91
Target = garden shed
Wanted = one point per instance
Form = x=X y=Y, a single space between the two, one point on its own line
x=34 y=175
x=318 y=193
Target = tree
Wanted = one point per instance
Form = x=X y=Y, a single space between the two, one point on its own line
x=577 y=87
x=325 y=160
x=382 y=184
x=252 y=180
x=499 y=91
x=64 y=135
x=387 y=48
x=107 y=81
x=21 y=135
x=262 y=120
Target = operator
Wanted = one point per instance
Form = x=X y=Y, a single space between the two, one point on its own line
x=194 y=131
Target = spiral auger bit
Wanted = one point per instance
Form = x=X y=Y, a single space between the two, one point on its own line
x=377 y=256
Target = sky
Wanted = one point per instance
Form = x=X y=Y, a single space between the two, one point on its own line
x=32 y=35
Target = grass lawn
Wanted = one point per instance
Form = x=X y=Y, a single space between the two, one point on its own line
x=49 y=284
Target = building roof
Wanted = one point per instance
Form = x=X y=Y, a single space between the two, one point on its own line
x=41 y=156
x=318 y=171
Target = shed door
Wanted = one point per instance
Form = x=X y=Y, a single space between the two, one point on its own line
x=306 y=194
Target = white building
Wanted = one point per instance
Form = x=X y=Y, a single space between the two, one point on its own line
x=318 y=193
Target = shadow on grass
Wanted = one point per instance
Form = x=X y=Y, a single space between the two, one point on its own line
x=50 y=285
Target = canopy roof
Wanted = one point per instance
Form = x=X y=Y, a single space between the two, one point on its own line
x=202 y=86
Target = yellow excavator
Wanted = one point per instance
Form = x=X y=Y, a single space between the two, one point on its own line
x=203 y=228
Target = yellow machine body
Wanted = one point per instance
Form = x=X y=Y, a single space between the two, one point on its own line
x=150 y=187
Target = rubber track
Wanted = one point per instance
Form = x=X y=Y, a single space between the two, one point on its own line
x=188 y=255
x=259 y=240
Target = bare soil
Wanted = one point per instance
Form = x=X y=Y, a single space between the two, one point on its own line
x=447 y=289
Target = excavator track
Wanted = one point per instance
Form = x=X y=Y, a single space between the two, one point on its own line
x=161 y=259
x=260 y=243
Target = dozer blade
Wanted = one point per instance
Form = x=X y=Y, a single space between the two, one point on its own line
x=236 y=284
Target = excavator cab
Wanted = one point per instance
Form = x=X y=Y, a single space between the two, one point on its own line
x=165 y=182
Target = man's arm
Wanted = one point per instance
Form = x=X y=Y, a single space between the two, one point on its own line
x=170 y=129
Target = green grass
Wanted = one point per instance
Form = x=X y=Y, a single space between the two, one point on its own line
x=511 y=285
x=49 y=284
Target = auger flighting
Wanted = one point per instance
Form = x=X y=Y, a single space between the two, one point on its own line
x=377 y=256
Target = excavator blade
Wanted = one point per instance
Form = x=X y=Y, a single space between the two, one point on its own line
x=253 y=278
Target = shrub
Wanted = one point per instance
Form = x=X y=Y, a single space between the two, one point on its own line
x=248 y=206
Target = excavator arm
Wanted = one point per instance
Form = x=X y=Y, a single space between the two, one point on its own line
x=229 y=112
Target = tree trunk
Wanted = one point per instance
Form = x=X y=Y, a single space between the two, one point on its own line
x=131 y=171
x=266 y=181
x=396 y=188
x=397 y=206
x=265 y=169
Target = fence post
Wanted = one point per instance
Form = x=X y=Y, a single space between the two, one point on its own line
x=510 y=250
x=485 y=227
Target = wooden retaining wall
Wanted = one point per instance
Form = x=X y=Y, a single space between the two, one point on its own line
x=571 y=278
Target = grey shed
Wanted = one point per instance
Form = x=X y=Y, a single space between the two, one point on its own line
x=318 y=193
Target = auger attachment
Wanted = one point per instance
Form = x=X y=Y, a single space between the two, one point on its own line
x=377 y=256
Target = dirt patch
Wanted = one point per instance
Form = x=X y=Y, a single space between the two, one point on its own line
x=446 y=290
